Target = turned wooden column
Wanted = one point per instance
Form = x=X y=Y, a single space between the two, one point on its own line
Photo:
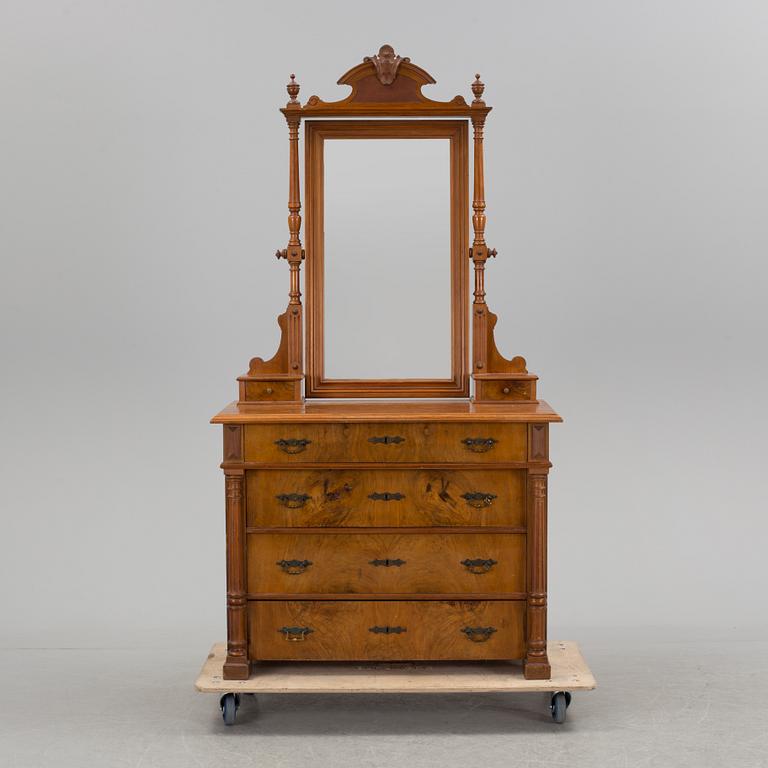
x=294 y=252
x=536 y=665
x=479 y=252
x=237 y=666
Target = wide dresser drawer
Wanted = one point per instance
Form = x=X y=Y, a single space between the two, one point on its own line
x=386 y=630
x=427 y=442
x=278 y=498
x=385 y=563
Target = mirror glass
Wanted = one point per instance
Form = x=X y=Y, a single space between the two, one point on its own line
x=387 y=258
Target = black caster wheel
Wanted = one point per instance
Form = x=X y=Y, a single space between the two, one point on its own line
x=229 y=703
x=559 y=704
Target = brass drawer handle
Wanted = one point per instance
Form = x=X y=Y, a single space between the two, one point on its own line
x=397 y=562
x=293 y=500
x=387 y=630
x=387 y=439
x=386 y=496
x=478 y=634
x=294 y=567
x=478 y=499
x=292 y=445
x=295 y=634
x=479 y=444
x=479 y=565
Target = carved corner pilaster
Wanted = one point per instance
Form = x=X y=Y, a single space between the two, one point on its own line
x=237 y=665
x=536 y=664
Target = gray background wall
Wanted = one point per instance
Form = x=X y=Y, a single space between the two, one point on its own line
x=142 y=196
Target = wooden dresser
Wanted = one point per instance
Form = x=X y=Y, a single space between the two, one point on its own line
x=366 y=528
x=386 y=531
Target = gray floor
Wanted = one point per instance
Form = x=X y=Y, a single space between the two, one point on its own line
x=660 y=702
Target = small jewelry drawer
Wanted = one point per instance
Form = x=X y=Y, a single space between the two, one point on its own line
x=335 y=563
x=277 y=498
x=386 y=630
x=481 y=443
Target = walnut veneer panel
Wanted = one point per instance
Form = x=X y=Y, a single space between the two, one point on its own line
x=278 y=498
x=385 y=563
x=341 y=631
x=385 y=442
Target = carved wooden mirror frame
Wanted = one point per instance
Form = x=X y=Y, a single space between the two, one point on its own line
x=387 y=85
x=317 y=132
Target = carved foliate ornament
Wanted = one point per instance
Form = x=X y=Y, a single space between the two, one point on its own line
x=386 y=63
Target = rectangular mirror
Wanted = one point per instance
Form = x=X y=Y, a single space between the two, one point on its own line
x=387 y=264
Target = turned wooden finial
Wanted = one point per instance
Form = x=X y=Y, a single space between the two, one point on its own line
x=293 y=90
x=477 y=88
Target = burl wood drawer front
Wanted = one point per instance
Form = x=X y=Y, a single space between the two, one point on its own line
x=280 y=498
x=386 y=630
x=385 y=443
x=385 y=563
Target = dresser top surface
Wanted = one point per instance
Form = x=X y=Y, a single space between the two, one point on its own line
x=384 y=410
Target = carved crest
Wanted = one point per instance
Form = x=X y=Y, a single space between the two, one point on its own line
x=386 y=63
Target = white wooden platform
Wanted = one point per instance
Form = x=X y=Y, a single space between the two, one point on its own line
x=569 y=673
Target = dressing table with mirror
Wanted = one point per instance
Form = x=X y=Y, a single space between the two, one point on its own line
x=386 y=470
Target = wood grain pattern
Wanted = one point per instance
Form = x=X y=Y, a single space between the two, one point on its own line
x=233 y=442
x=417 y=442
x=340 y=498
x=381 y=411
x=349 y=563
x=538 y=442
x=506 y=390
x=317 y=385
x=271 y=389
x=340 y=630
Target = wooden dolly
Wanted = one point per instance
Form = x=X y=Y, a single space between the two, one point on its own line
x=569 y=673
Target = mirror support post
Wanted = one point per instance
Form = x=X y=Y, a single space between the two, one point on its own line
x=280 y=378
x=479 y=250
x=496 y=378
x=294 y=252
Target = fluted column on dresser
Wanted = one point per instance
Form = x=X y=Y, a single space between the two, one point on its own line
x=536 y=665
x=237 y=666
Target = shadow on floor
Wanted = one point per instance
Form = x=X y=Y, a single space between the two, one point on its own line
x=396 y=714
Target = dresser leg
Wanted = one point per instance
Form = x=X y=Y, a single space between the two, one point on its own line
x=236 y=666
x=536 y=664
